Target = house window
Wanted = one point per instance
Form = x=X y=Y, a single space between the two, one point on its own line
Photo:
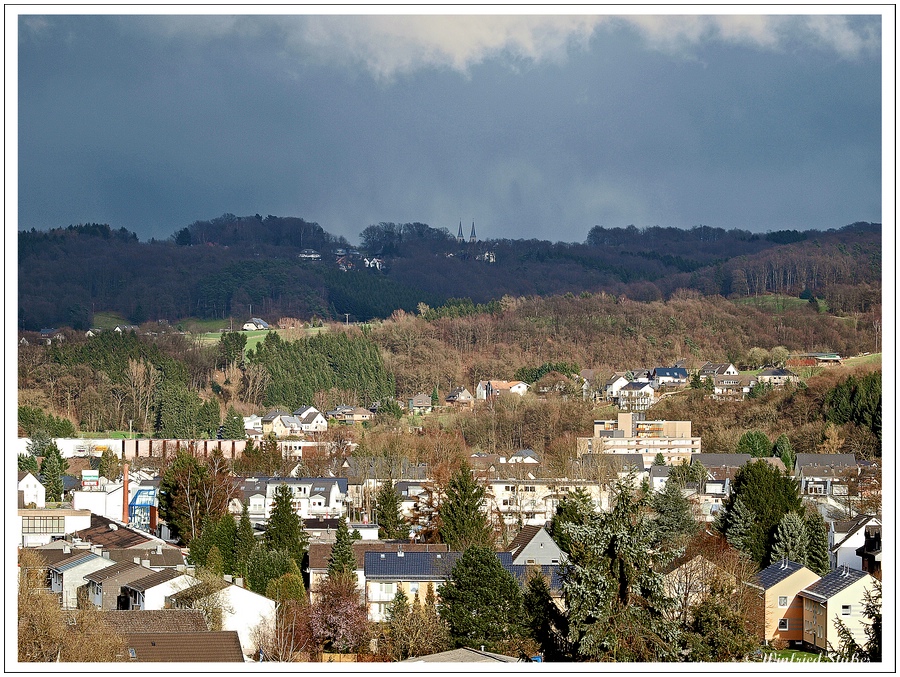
x=782 y=601
x=782 y=623
x=845 y=609
x=505 y=501
x=414 y=589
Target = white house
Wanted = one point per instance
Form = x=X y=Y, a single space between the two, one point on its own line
x=242 y=610
x=149 y=593
x=837 y=596
x=494 y=388
x=312 y=497
x=845 y=537
x=311 y=420
x=31 y=490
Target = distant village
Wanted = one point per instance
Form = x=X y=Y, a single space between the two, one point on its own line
x=107 y=546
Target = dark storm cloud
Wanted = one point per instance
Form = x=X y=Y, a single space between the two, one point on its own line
x=538 y=127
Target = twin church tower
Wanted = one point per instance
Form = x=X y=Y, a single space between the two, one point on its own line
x=472 y=238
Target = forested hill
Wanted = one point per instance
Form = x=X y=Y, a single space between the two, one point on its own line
x=223 y=267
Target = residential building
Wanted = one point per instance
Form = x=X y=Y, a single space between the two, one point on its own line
x=486 y=390
x=350 y=414
x=419 y=404
x=67 y=575
x=631 y=433
x=825 y=474
x=150 y=592
x=460 y=397
x=732 y=387
x=105 y=585
x=387 y=572
x=781 y=582
x=31 y=492
x=837 y=596
x=533 y=545
x=845 y=537
x=777 y=377
x=667 y=376
x=238 y=609
x=312 y=496
x=636 y=396
x=870 y=551
x=311 y=420
x=718 y=369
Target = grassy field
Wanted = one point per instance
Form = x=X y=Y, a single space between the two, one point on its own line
x=873 y=359
x=108 y=320
x=774 y=302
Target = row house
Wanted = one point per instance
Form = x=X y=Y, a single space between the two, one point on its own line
x=802 y=608
x=825 y=474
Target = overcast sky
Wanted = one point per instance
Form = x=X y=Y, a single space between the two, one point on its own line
x=533 y=127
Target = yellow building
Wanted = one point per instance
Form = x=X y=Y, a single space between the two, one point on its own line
x=780 y=584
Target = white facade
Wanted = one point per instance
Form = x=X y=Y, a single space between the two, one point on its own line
x=32 y=491
x=38 y=526
x=153 y=599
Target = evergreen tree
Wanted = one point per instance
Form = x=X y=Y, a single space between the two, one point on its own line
x=214 y=561
x=208 y=419
x=769 y=494
x=28 y=463
x=234 y=425
x=739 y=528
x=659 y=459
x=547 y=624
x=785 y=452
x=387 y=512
x=52 y=472
x=243 y=543
x=576 y=508
x=265 y=564
x=109 y=465
x=790 y=539
x=718 y=633
x=674 y=521
x=614 y=594
x=481 y=602
x=463 y=521
x=435 y=398
x=342 y=562
x=755 y=443
x=817 y=554
x=286 y=587
x=284 y=530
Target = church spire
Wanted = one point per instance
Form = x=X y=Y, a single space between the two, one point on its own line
x=459 y=237
x=472 y=237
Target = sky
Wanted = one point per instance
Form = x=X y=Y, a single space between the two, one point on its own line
x=532 y=126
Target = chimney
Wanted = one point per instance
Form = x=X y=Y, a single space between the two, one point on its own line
x=137 y=560
x=67 y=549
x=145 y=563
x=239 y=582
x=159 y=548
x=228 y=578
x=125 y=494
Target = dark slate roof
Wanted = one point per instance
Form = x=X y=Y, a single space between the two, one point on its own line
x=635 y=385
x=153 y=579
x=660 y=471
x=318 y=554
x=832 y=583
x=272 y=415
x=410 y=566
x=184 y=647
x=825 y=460
x=522 y=572
x=721 y=460
x=51 y=556
x=621 y=461
x=162 y=620
x=777 y=572
x=670 y=372
x=776 y=371
x=74 y=559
